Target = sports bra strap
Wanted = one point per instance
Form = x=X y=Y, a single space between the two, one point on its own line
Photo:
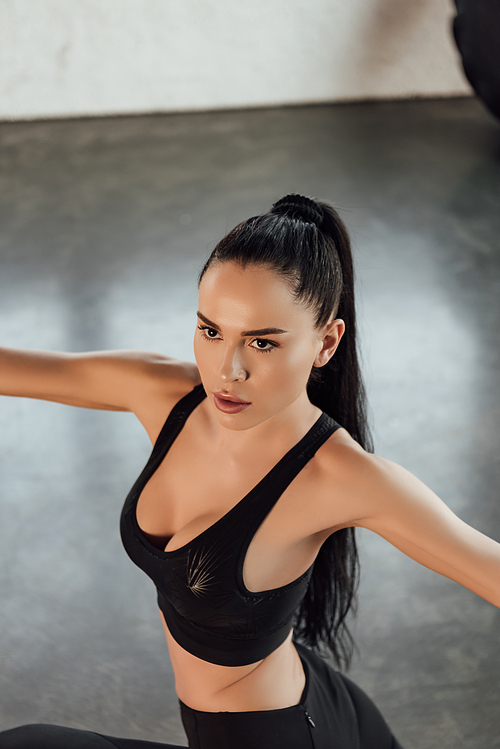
x=258 y=503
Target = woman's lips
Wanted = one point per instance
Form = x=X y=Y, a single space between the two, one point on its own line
x=229 y=404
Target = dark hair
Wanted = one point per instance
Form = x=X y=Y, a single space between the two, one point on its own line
x=306 y=242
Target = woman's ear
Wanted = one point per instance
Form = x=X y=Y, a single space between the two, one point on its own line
x=330 y=336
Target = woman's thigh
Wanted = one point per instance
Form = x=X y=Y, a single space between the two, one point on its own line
x=42 y=736
x=344 y=715
x=374 y=733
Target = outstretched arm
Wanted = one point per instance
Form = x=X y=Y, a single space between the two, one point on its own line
x=412 y=518
x=374 y=493
x=135 y=381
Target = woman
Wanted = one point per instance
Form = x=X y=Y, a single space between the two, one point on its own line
x=273 y=413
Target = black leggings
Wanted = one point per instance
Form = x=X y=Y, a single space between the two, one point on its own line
x=333 y=714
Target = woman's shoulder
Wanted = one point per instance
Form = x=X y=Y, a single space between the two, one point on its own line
x=164 y=381
x=169 y=374
x=348 y=481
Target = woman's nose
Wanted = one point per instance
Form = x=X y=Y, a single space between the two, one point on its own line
x=232 y=366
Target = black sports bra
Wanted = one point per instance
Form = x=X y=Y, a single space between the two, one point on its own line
x=201 y=592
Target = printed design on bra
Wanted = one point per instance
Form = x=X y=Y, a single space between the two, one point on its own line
x=200 y=568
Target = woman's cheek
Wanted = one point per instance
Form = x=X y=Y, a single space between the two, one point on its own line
x=201 y=355
x=289 y=371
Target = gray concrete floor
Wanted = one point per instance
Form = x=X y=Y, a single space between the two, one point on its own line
x=104 y=225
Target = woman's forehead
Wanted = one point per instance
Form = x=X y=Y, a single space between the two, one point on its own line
x=231 y=279
x=252 y=297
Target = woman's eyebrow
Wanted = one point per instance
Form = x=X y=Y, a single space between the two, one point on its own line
x=262 y=331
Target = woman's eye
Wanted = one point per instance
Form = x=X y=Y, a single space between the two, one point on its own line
x=209 y=333
x=263 y=345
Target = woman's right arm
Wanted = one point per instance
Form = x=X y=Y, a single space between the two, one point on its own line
x=136 y=381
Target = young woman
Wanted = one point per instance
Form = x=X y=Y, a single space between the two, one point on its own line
x=244 y=515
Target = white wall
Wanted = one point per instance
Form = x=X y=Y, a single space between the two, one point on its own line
x=77 y=57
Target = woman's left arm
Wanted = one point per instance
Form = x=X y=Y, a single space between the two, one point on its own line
x=411 y=517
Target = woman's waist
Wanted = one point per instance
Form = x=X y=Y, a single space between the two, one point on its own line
x=273 y=683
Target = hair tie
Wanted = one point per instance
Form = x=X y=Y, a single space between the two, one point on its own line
x=300 y=208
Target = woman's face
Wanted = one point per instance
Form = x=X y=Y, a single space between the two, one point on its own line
x=254 y=342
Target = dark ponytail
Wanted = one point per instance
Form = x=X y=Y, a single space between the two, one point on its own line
x=306 y=242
